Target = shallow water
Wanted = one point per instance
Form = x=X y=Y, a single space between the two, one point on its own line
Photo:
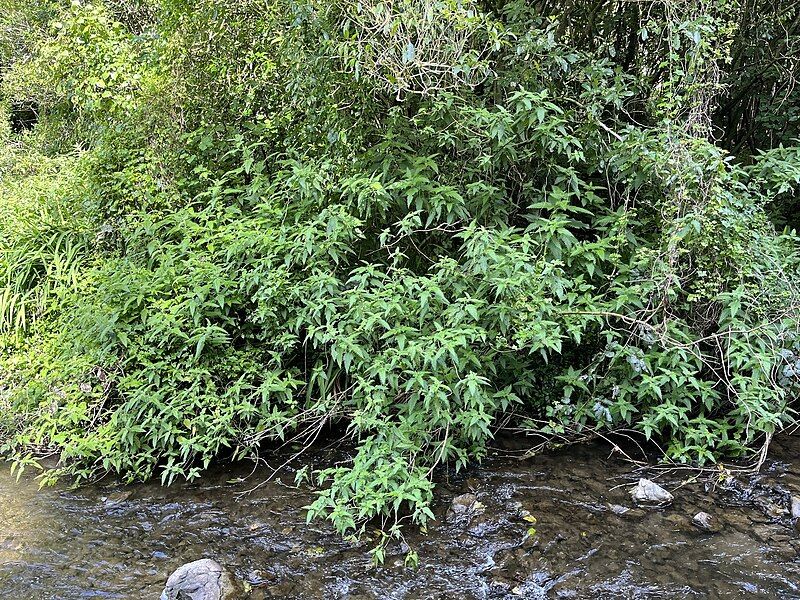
x=110 y=541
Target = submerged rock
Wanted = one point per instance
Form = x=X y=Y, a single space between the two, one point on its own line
x=618 y=509
x=705 y=521
x=529 y=591
x=463 y=502
x=117 y=498
x=772 y=509
x=647 y=493
x=203 y=579
x=463 y=507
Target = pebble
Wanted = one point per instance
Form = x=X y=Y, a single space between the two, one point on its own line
x=705 y=521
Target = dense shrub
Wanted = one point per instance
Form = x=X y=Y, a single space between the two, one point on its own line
x=237 y=222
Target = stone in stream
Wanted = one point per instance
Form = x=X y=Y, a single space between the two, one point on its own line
x=618 y=509
x=795 y=507
x=117 y=498
x=647 y=493
x=203 y=579
x=463 y=507
x=706 y=522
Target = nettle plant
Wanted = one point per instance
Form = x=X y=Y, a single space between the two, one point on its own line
x=412 y=223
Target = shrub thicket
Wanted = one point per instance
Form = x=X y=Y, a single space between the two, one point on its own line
x=243 y=221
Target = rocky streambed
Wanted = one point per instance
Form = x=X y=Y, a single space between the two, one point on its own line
x=560 y=525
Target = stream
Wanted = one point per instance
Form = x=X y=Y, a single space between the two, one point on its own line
x=590 y=541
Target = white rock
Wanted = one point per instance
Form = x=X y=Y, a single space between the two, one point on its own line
x=647 y=493
x=795 y=507
x=618 y=509
x=203 y=579
x=705 y=521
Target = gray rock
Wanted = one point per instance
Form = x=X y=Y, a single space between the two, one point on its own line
x=618 y=509
x=463 y=502
x=705 y=521
x=795 y=507
x=203 y=579
x=647 y=493
x=463 y=507
x=117 y=498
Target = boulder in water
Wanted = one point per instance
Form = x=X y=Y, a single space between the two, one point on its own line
x=648 y=493
x=203 y=579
